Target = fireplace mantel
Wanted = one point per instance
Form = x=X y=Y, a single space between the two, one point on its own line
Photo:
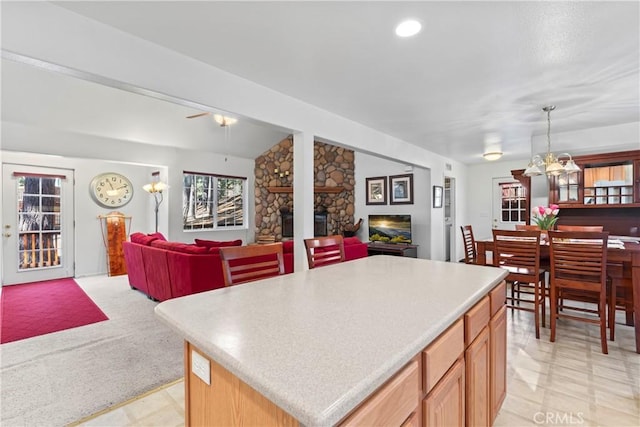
x=289 y=189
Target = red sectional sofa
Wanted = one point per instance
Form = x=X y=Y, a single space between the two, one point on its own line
x=164 y=270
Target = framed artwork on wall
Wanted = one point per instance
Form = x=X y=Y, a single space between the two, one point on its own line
x=401 y=187
x=377 y=190
x=437 y=196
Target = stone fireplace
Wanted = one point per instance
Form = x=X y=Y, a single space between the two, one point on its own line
x=320 y=224
x=334 y=182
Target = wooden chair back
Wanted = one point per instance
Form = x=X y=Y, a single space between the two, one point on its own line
x=597 y=228
x=242 y=264
x=579 y=268
x=470 y=254
x=526 y=227
x=324 y=250
x=518 y=252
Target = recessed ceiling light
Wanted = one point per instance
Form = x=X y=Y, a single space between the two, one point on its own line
x=408 y=28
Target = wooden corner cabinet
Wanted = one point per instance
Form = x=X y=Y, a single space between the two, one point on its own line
x=605 y=192
x=605 y=181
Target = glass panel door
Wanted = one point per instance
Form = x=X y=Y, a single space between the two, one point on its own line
x=38 y=231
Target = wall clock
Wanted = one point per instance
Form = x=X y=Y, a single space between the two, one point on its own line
x=111 y=190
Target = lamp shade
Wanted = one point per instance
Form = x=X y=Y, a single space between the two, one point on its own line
x=554 y=169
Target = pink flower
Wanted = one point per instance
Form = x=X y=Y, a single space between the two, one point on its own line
x=545 y=217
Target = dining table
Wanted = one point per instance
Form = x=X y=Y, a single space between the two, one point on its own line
x=628 y=253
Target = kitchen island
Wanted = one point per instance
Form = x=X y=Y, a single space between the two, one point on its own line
x=329 y=345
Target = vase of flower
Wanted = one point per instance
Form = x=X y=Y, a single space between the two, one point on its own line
x=546 y=218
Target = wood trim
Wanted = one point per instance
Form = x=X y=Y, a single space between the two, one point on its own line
x=289 y=189
x=39 y=175
x=518 y=175
x=216 y=175
x=187 y=384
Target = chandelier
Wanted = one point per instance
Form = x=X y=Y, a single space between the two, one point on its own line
x=550 y=164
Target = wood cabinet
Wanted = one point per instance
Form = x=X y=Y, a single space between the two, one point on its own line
x=606 y=192
x=498 y=360
x=445 y=405
x=606 y=180
x=477 y=365
x=393 y=403
x=392 y=249
x=458 y=379
x=114 y=233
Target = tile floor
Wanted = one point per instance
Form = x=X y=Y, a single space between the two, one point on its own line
x=569 y=382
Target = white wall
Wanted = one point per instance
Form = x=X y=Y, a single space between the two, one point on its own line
x=90 y=253
x=367 y=166
x=480 y=193
x=44 y=31
x=92 y=156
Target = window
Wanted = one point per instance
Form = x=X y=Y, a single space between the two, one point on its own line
x=211 y=202
x=513 y=202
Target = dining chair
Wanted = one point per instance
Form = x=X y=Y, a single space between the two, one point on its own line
x=470 y=254
x=623 y=286
x=323 y=251
x=579 y=272
x=242 y=264
x=597 y=228
x=518 y=252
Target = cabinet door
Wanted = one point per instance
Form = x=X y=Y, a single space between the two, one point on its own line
x=477 y=360
x=498 y=379
x=393 y=403
x=566 y=188
x=444 y=406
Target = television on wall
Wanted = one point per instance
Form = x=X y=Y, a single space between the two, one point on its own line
x=390 y=228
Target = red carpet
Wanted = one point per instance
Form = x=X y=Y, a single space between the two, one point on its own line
x=40 y=308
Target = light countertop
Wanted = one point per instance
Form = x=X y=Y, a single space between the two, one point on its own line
x=317 y=343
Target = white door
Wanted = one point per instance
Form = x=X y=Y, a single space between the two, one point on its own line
x=449 y=216
x=37 y=230
x=509 y=204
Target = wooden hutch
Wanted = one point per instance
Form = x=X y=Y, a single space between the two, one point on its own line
x=605 y=192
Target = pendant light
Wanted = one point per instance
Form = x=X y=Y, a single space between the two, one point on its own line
x=551 y=165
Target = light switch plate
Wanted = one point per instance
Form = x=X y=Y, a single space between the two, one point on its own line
x=200 y=367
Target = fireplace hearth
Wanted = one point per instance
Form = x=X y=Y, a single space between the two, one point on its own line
x=320 y=224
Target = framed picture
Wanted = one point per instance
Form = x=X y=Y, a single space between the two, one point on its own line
x=401 y=189
x=437 y=196
x=377 y=190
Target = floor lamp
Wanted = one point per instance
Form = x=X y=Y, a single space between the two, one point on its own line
x=156 y=188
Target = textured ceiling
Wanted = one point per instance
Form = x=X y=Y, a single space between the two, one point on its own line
x=478 y=71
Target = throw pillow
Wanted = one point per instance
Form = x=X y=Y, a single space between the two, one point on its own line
x=217 y=244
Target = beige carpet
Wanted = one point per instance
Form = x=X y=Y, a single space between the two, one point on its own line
x=59 y=378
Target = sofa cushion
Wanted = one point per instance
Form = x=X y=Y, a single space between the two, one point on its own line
x=351 y=241
x=158 y=235
x=217 y=244
x=179 y=247
x=142 y=238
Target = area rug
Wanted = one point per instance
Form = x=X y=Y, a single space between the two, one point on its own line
x=58 y=379
x=39 y=308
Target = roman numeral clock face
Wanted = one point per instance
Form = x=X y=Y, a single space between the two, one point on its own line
x=111 y=190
